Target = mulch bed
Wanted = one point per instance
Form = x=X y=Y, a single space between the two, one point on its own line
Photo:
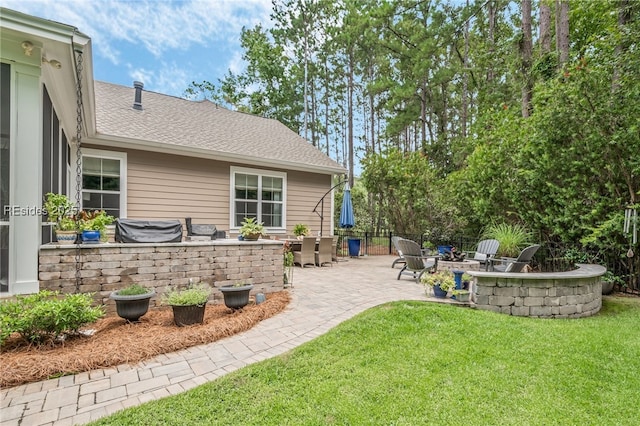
x=117 y=342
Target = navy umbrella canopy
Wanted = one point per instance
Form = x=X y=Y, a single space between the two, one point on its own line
x=346 y=212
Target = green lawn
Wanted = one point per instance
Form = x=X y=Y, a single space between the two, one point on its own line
x=413 y=363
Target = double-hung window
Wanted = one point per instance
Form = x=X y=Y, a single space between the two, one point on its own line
x=104 y=181
x=259 y=194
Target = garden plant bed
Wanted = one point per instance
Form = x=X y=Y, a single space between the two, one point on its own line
x=117 y=342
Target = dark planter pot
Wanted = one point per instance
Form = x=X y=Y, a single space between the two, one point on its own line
x=188 y=314
x=607 y=287
x=236 y=297
x=90 y=237
x=438 y=292
x=132 y=307
x=252 y=237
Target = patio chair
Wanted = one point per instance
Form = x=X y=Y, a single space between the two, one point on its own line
x=509 y=264
x=400 y=259
x=323 y=255
x=485 y=251
x=307 y=253
x=416 y=263
x=334 y=249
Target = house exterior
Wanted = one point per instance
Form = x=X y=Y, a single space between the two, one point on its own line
x=141 y=154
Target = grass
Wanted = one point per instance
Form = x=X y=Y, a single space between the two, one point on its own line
x=410 y=363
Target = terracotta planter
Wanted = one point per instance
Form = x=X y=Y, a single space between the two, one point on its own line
x=236 y=297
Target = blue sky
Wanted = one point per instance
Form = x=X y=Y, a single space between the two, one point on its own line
x=166 y=44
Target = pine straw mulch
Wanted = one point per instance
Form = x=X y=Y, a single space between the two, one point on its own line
x=117 y=342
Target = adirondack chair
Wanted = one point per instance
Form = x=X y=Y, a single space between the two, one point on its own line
x=416 y=264
x=509 y=264
x=485 y=251
x=400 y=259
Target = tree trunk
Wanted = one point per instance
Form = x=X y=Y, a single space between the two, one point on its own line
x=492 y=40
x=465 y=81
x=526 y=52
x=562 y=31
x=545 y=28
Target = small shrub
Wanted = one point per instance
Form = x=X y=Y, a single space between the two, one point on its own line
x=197 y=294
x=133 y=290
x=43 y=316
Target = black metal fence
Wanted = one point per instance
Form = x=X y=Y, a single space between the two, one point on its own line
x=550 y=256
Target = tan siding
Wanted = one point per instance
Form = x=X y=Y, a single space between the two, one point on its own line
x=164 y=186
x=304 y=190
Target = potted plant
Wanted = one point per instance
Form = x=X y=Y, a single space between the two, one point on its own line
x=132 y=302
x=93 y=225
x=609 y=280
x=441 y=282
x=461 y=295
x=287 y=263
x=251 y=229
x=188 y=304
x=301 y=230
x=236 y=296
x=59 y=209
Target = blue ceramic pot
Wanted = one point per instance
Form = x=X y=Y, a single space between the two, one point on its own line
x=91 y=237
x=438 y=292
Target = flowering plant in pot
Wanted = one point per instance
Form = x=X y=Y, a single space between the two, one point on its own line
x=440 y=282
x=188 y=304
x=132 y=302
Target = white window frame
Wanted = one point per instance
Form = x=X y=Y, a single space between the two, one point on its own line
x=112 y=155
x=260 y=173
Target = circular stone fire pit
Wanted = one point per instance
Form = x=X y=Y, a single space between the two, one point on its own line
x=570 y=294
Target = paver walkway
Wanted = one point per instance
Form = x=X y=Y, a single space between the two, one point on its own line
x=321 y=299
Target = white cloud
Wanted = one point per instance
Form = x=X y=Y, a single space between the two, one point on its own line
x=159 y=26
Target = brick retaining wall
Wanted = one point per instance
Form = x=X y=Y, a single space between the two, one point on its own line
x=109 y=267
x=571 y=294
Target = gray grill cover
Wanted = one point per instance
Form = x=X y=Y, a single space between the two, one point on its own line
x=146 y=231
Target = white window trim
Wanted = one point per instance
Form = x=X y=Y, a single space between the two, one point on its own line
x=260 y=172
x=114 y=155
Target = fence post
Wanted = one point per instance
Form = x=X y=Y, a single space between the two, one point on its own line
x=390 y=236
x=366 y=243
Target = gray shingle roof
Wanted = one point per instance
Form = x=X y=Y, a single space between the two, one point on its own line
x=203 y=127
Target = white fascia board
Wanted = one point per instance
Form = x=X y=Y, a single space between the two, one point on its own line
x=36 y=27
x=118 y=142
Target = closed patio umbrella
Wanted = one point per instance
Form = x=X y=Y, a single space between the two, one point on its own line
x=346 y=212
x=347 y=220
